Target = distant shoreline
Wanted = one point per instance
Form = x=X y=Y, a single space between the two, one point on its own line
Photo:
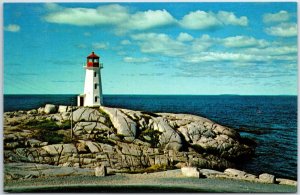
x=154 y=95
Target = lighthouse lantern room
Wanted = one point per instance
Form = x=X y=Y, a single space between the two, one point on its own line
x=92 y=96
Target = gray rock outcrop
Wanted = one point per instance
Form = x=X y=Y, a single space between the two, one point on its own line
x=50 y=108
x=120 y=139
x=190 y=172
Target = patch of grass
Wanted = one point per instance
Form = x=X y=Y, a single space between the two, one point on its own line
x=151 y=169
x=52 y=137
x=65 y=125
x=46 y=130
x=153 y=137
x=41 y=125
x=107 y=121
x=67 y=139
x=156 y=167
x=46 y=125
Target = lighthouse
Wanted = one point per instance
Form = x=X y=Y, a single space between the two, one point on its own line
x=92 y=96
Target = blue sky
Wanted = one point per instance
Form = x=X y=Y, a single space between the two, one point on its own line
x=152 y=48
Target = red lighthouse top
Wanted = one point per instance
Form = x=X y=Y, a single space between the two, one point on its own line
x=92 y=60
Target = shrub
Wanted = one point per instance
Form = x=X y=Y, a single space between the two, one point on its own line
x=154 y=137
x=66 y=125
x=155 y=168
x=41 y=125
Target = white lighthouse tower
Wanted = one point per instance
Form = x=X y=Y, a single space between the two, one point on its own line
x=92 y=95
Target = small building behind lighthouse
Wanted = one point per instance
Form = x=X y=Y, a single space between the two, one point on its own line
x=92 y=95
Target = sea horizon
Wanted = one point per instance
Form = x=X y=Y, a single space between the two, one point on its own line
x=173 y=94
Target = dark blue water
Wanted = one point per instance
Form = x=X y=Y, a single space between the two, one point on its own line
x=270 y=120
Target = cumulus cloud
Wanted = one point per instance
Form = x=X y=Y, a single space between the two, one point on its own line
x=244 y=41
x=148 y=19
x=208 y=20
x=122 y=20
x=229 y=18
x=199 y=20
x=113 y=15
x=184 y=37
x=12 y=28
x=103 y=15
x=283 y=30
x=281 y=16
x=159 y=43
x=241 y=50
x=52 y=6
x=223 y=56
x=274 y=50
x=135 y=60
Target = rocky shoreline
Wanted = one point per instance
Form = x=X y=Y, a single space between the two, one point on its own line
x=119 y=141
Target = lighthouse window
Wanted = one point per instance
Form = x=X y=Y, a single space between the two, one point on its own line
x=95 y=86
x=96 y=60
x=96 y=98
x=95 y=74
x=90 y=60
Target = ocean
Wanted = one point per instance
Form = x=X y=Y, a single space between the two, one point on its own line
x=269 y=120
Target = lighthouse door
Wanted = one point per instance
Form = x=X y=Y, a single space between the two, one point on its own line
x=81 y=101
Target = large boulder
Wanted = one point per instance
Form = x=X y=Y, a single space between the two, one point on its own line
x=190 y=172
x=50 y=108
x=266 y=178
x=62 y=109
x=204 y=134
x=95 y=147
x=62 y=149
x=124 y=125
x=286 y=181
x=88 y=114
x=100 y=171
x=89 y=128
x=169 y=139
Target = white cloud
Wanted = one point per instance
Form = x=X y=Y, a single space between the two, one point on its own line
x=223 y=56
x=114 y=15
x=100 y=45
x=135 y=60
x=52 y=7
x=281 y=16
x=203 y=43
x=283 y=30
x=123 y=20
x=228 y=18
x=207 y=20
x=244 y=41
x=200 y=20
x=274 y=50
x=159 y=43
x=148 y=19
x=12 y=28
x=184 y=37
x=103 y=15
x=125 y=42
x=237 y=50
